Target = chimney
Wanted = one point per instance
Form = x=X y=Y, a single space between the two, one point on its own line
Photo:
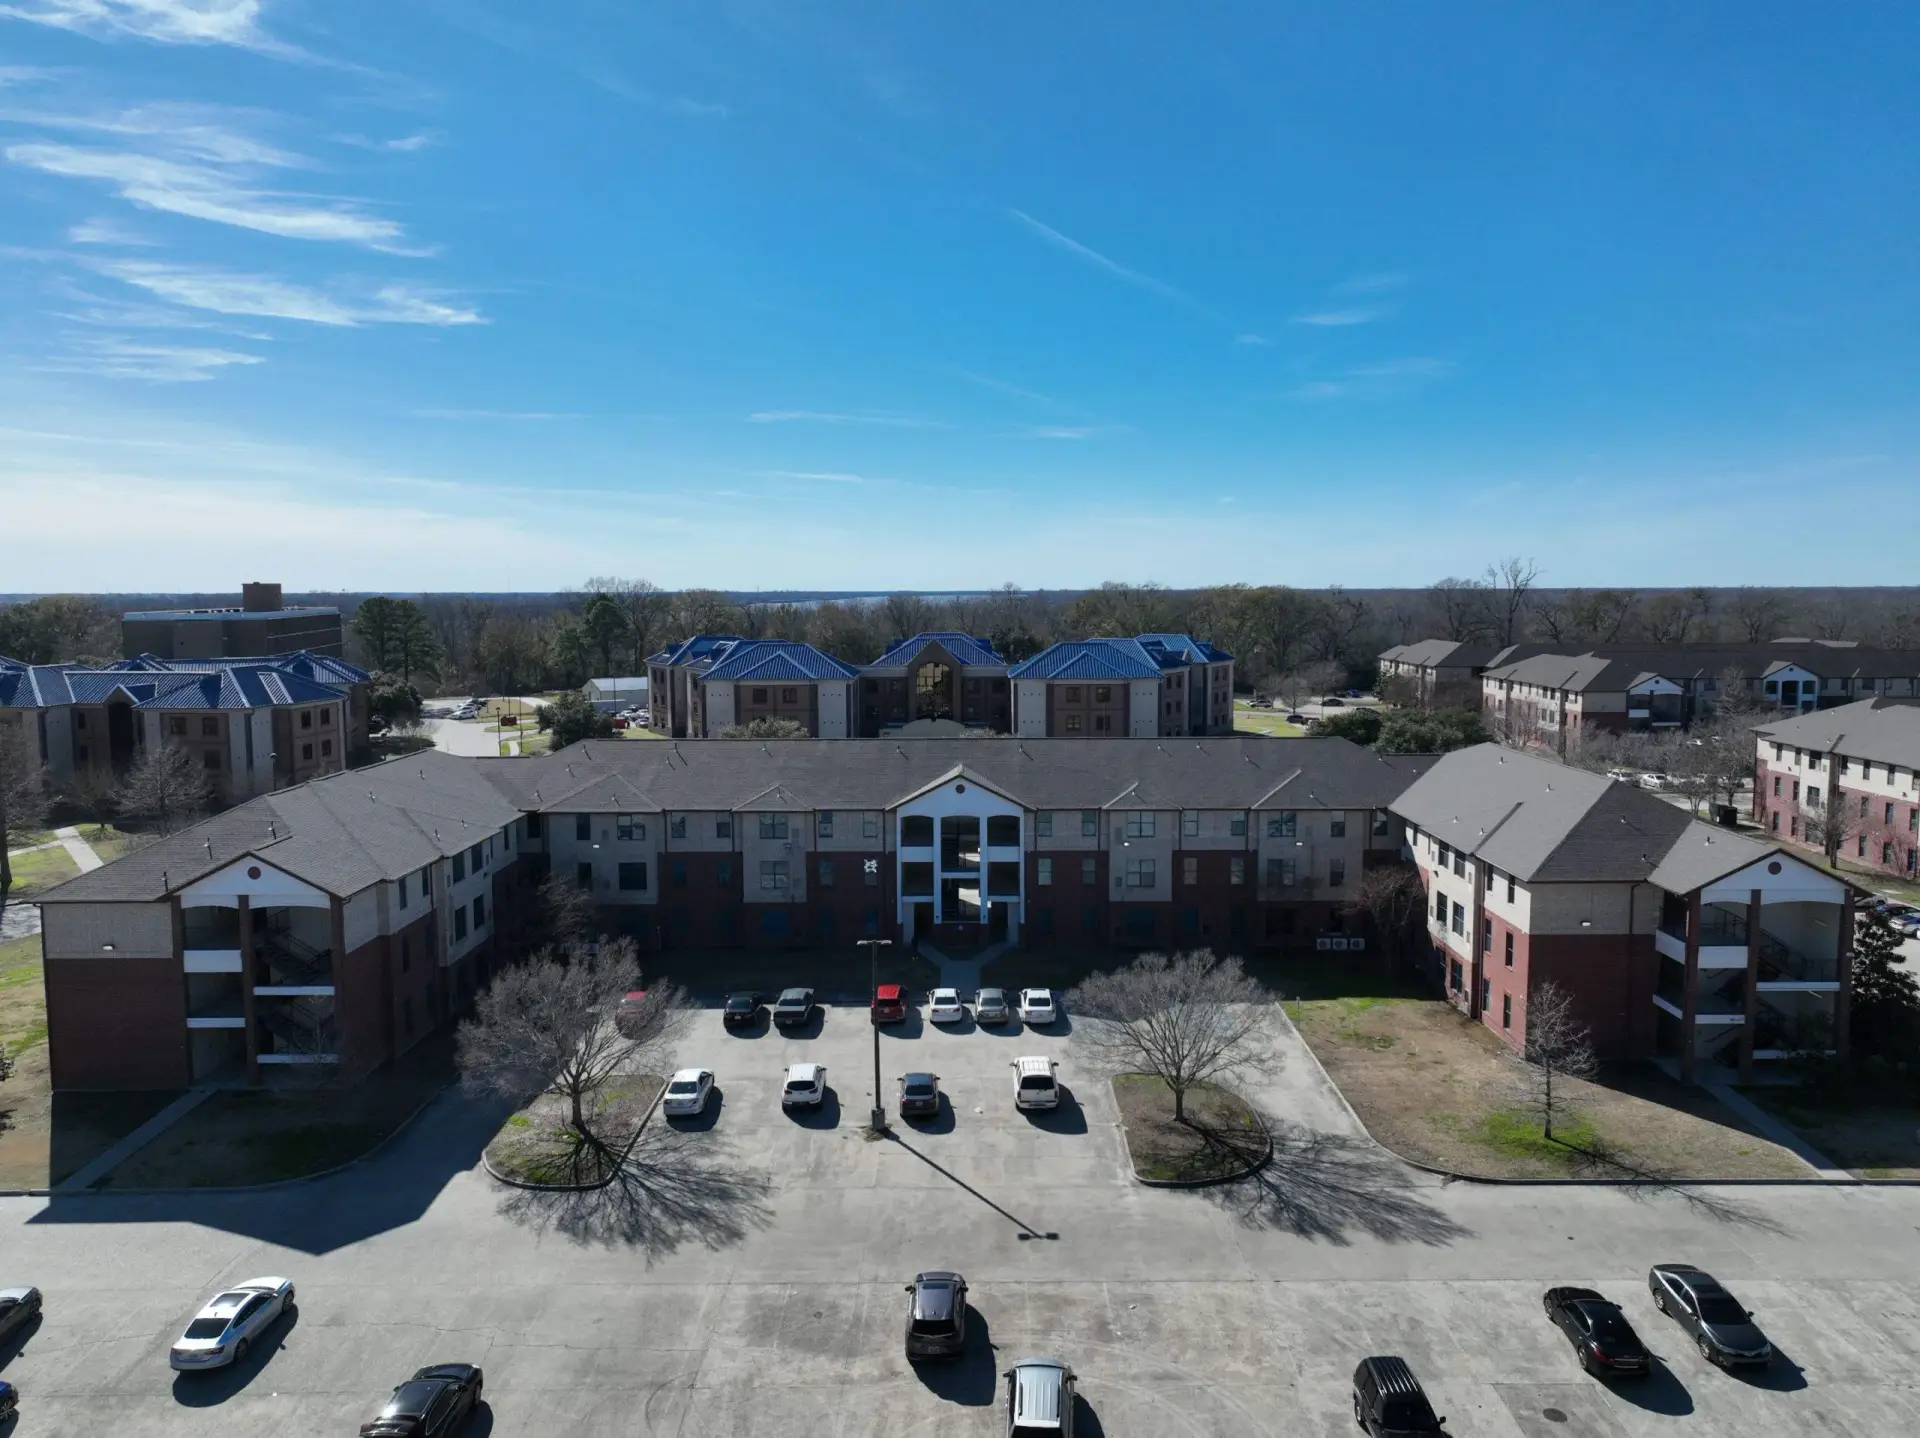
x=260 y=598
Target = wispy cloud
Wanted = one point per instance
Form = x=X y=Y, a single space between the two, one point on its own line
x=1115 y=268
x=265 y=296
x=1033 y=396
x=825 y=475
x=107 y=232
x=117 y=358
x=1380 y=378
x=23 y=74
x=402 y=145
x=198 y=162
x=632 y=91
x=1379 y=283
x=170 y=22
x=1375 y=302
x=1251 y=339
x=1335 y=319
x=814 y=416
x=530 y=415
x=1061 y=431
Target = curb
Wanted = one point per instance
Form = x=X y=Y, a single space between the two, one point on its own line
x=278 y=1183
x=1454 y=1176
x=638 y=1129
x=1249 y=1171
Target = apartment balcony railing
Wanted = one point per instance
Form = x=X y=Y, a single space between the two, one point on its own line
x=1779 y=960
x=293 y=962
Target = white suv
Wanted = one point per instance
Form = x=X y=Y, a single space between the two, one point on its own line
x=806 y=1086
x=1034 y=1085
x=1037 y=1007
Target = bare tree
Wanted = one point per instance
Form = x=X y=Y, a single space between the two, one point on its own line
x=1340 y=617
x=1582 y=616
x=166 y=788
x=1392 y=900
x=23 y=798
x=1834 y=822
x=1296 y=686
x=1558 y=1048
x=1190 y=1019
x=1461 y=604
x=566 y=913
x=1672 y=618
x=1506 y=591
x=1758 y=614
x=549 y=1026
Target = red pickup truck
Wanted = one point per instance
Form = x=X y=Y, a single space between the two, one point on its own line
x=889 y=1004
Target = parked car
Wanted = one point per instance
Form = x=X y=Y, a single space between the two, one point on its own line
x=806 y=1086
x=889 y=1004
x=944 y=1007
x=1910 y=921
x=1298 y=719
x=1333 y=701
x=1602 y=1339
x=1034 y=1084
x=223 y=1331
x=1260 y=703
x=793 y=1008
x=9 y=1402
x=919 y=1095
x=740 y=1011
x=1722 y=1330
x=1353 y=694
x=434 y=1402
x=687 y=1093
x=1388 y=1399
x=937 y=1316
x=18 y=1308
x=1037 y=1006
x=990 y=1007
x=1040 y=1398
x=629 y=1015
x=1653 y=781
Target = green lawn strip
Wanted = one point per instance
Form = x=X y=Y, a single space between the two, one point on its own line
x=1518 y=1135
x=535 y=1145
x=41 y=870
x=1221 y=1136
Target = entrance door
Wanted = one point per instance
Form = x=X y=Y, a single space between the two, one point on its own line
x=922 y=918
x=996 y=922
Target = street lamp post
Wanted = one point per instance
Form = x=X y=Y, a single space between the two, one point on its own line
x=878 y=1119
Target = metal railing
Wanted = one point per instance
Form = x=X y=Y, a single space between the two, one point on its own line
x=292 y=959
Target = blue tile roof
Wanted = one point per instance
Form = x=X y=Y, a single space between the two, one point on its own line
x=778 y=660
x=1142 y=658
x=1185 y=647
x=965 y=648
x=151 y=683
x=688 y=651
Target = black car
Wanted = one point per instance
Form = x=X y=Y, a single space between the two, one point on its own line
x=740 y=1011
x=793 y=1008
x=18 y=1308
x=1602 y=1339
x=1388 y=1399
x=919 y=1094
x=434 y=1402
x=1724 y=1332
x=937 y=1316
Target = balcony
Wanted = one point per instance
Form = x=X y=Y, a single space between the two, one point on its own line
x=298 y=1031
x=292 y=965
x=1783 y=966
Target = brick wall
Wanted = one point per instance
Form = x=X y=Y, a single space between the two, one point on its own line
x=118 y=1023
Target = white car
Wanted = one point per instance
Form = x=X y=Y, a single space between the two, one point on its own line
x=1034 y=1084
x=944 y=1007
x=223 y=1331
x=1653 y=781
x=1037 y=1006
x=806 y=1086
x=687 y=1093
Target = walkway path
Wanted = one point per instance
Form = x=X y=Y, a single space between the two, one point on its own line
x=21 y=917
x=78 y=849
x=962 y=974
x=84 y=1177
x=1771 y=1127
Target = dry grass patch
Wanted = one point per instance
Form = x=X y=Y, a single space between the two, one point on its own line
x=1438 y=1088
x=536 y=1145
x=1220 y=1137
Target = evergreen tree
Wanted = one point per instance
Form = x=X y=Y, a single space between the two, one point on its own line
x=1886 y=998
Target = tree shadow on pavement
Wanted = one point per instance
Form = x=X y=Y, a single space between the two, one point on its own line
x=672 y=1188
x=1601 y=1161
x=1330 y=1186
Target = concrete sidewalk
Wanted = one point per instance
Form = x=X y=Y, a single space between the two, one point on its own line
x=84 y=1177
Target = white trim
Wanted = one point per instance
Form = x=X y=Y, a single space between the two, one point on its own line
x=299 y=1058
x=216 y=1021
x=211 y=961
x=293 y=991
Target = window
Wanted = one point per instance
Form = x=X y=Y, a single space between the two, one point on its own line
x=1073 y=694
x=1139 y=825
x=1776 y=821
x=1506 y=1011
x=1459 y=864
x=480 y=913
x=1813 y=796
x=209 y=728
x=628 y=827
x=1336 y=873
x=1440 y=907
x=1776 y=786
x=1887 y=817
x=678 y=873
x=460 y=923
x=583 y=875
x=402 y=886
x=1102 y=723
x=633 y=877
x=1043 y=823
x=1282 y=825
x=306 y=751
x=789 y=696
x=1043 y=872
x=824 y=873
x=583 y=827
x=869 y=826
x=211 y=759
x=1190 y=824
x=459 y=867
x=1793 y=827
x=1509 y=949
x=1337 y=827
x=823 y=824
x=80 y=719
x=1380 y=823
x=406 y=1017
x=723 y=872
x=1459 y=922
x=1073 y=724
x=1140 y=874
x=1089 y=823
x=426 y=881
x=1236 y=870
x=326 y=718
x=476 y=858
x=1863 y=806
x=1486 y=994
x=1486 y=935
x=723 y=827
x=1280 y=873
x=534 y=829
x=1861 y=851
x=677 y=827
x=306 y=718
x=1237 y=826
x=773 y=826
x=1089 y=871
x=1886 y=852
x=1453 y=975
x=1190 y=870
x=1844 y=762
x=773 y=874
x=1442 y=854
x=1509 y=888
x=759 y=696
x=1796 y=790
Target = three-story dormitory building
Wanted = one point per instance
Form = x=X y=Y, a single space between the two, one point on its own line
x=338 y=922
x=1149 y=686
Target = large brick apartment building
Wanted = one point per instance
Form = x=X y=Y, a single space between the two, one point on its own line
x=1149 y=686
x=1860 y=761
x=261 y=624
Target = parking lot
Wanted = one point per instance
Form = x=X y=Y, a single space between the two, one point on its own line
x=750 y=1280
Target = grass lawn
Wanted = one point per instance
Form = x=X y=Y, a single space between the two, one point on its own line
x=1220 y=1136
x=1436 y=1087
x=532 y=742
x=535 y=1146
x=638 y=731
x=109 y=842
x=268 y=1134
x=39 y=871
x=1264 y=721
x=1869 y=1140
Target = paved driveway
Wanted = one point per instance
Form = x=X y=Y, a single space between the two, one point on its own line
x=749 y=1281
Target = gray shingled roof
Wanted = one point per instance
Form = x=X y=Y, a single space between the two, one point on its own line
x=1885 y=731
x=1705 y=852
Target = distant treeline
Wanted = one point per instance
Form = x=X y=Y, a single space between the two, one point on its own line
x=501 y=643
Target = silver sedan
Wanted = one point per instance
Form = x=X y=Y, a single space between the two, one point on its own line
x=223 y=1331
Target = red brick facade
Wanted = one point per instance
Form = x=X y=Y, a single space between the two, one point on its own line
x=122 y=1023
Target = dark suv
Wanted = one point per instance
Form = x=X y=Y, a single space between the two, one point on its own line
x=937 y=1316
x=1388 y=1399
x=741 y=1011
x=793 y=1008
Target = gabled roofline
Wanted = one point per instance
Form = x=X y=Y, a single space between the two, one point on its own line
x=959 y=771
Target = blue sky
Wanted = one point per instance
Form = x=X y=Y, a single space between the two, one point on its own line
x=485 y=294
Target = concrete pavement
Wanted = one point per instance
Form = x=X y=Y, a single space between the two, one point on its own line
x=748 y=1280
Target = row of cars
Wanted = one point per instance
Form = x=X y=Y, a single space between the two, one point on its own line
x=795 y=1007
x=1036 y=1085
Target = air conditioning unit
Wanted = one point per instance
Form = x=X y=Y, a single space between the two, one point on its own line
x=1356 y=944
x=1323 y=943
x=1338 y=943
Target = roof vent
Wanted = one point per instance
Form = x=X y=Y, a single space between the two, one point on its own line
x=209 y=844
x=370 y=798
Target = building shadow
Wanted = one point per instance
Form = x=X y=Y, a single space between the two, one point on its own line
x=938 y=1122
x=1661 y=1391
x=1065 y=1117
x=209 y=1390
x=1330 y=1187
x=672 y=1190
x=824 y=1115
x=702 y=1122
x=970 y=1379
